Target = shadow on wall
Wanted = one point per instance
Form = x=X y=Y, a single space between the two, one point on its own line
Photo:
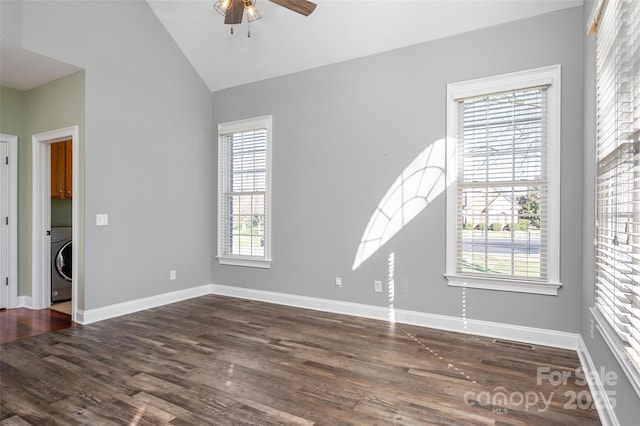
x=418 y=184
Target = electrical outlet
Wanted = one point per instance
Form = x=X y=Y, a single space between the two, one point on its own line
x=377 y=285
x=172 y=274
x=338 y=282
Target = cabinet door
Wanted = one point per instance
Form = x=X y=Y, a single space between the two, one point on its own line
x=68 y=176
x=58 y=158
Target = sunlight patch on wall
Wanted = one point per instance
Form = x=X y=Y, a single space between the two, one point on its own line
x=464 y=306
x=418 y=184
x=391 y=285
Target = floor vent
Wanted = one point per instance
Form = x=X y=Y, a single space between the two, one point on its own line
x=513 y=344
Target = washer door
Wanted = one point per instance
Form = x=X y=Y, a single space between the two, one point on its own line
x=63 y=261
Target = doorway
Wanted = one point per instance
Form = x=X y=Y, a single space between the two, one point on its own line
x=41 y=225
x=8 y=221
x=61 y=225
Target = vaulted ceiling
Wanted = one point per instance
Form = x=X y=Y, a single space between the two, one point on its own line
x=284 y=42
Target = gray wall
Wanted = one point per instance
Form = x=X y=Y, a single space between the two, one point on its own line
x=147 y=147
x=343 y=133
x=627 y=402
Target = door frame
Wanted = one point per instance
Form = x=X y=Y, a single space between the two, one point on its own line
x=41 y=217
x=12 y=266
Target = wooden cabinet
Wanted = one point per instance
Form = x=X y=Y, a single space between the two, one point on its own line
x=61 y=170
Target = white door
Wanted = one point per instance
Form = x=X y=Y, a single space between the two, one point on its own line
x=4 y=227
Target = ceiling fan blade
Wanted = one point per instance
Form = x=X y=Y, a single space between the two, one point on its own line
x=234 y=13
x=302 y=7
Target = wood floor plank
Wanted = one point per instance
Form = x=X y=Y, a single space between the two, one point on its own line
x=225 y=361
x=277 y=415
x=14 y=421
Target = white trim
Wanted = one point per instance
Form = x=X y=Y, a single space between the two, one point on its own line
x=75 y=220
x=545 y=76
x=490 y=283
x=550 y=76
x=25 y=302
x=593 y=375
x=244 y=125
x=41 y=220
x=124 y=308
x=537 y=336
x=614 y=343
x=244 y=261
x=324 y=305
x=532 y=335
x=265 y=122
x=12 y=266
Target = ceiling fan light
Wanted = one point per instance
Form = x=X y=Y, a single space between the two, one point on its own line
x=221 y=6
x=252 y=12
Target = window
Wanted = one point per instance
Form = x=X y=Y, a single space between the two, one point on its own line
x=503 y=197
x=244 y=191
x=617 y=251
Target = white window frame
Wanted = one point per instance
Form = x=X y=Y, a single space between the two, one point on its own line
x=603 y=320
x=546 y=76
x=264 y=122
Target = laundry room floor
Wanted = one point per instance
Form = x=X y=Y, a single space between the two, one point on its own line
x=64 y=307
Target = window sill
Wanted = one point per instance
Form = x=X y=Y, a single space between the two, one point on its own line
x=613 y=342
x=244 y=261
x=533 y=287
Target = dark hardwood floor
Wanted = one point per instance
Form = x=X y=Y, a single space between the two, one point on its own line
x=20 y=323
x=224 y=361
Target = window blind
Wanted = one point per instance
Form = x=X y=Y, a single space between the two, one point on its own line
x=244 y=177
x=617 y=275
x=502 y=184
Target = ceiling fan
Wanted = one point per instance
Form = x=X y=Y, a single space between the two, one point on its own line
x=234 y=10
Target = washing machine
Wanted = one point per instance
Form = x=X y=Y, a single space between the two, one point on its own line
x=61 y=264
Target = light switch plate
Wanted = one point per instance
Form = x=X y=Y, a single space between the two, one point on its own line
x=102 y=219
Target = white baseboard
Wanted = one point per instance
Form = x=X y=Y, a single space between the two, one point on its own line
x=25 y=302
x=111 y=311
x=531 y=335
x=598 y=391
